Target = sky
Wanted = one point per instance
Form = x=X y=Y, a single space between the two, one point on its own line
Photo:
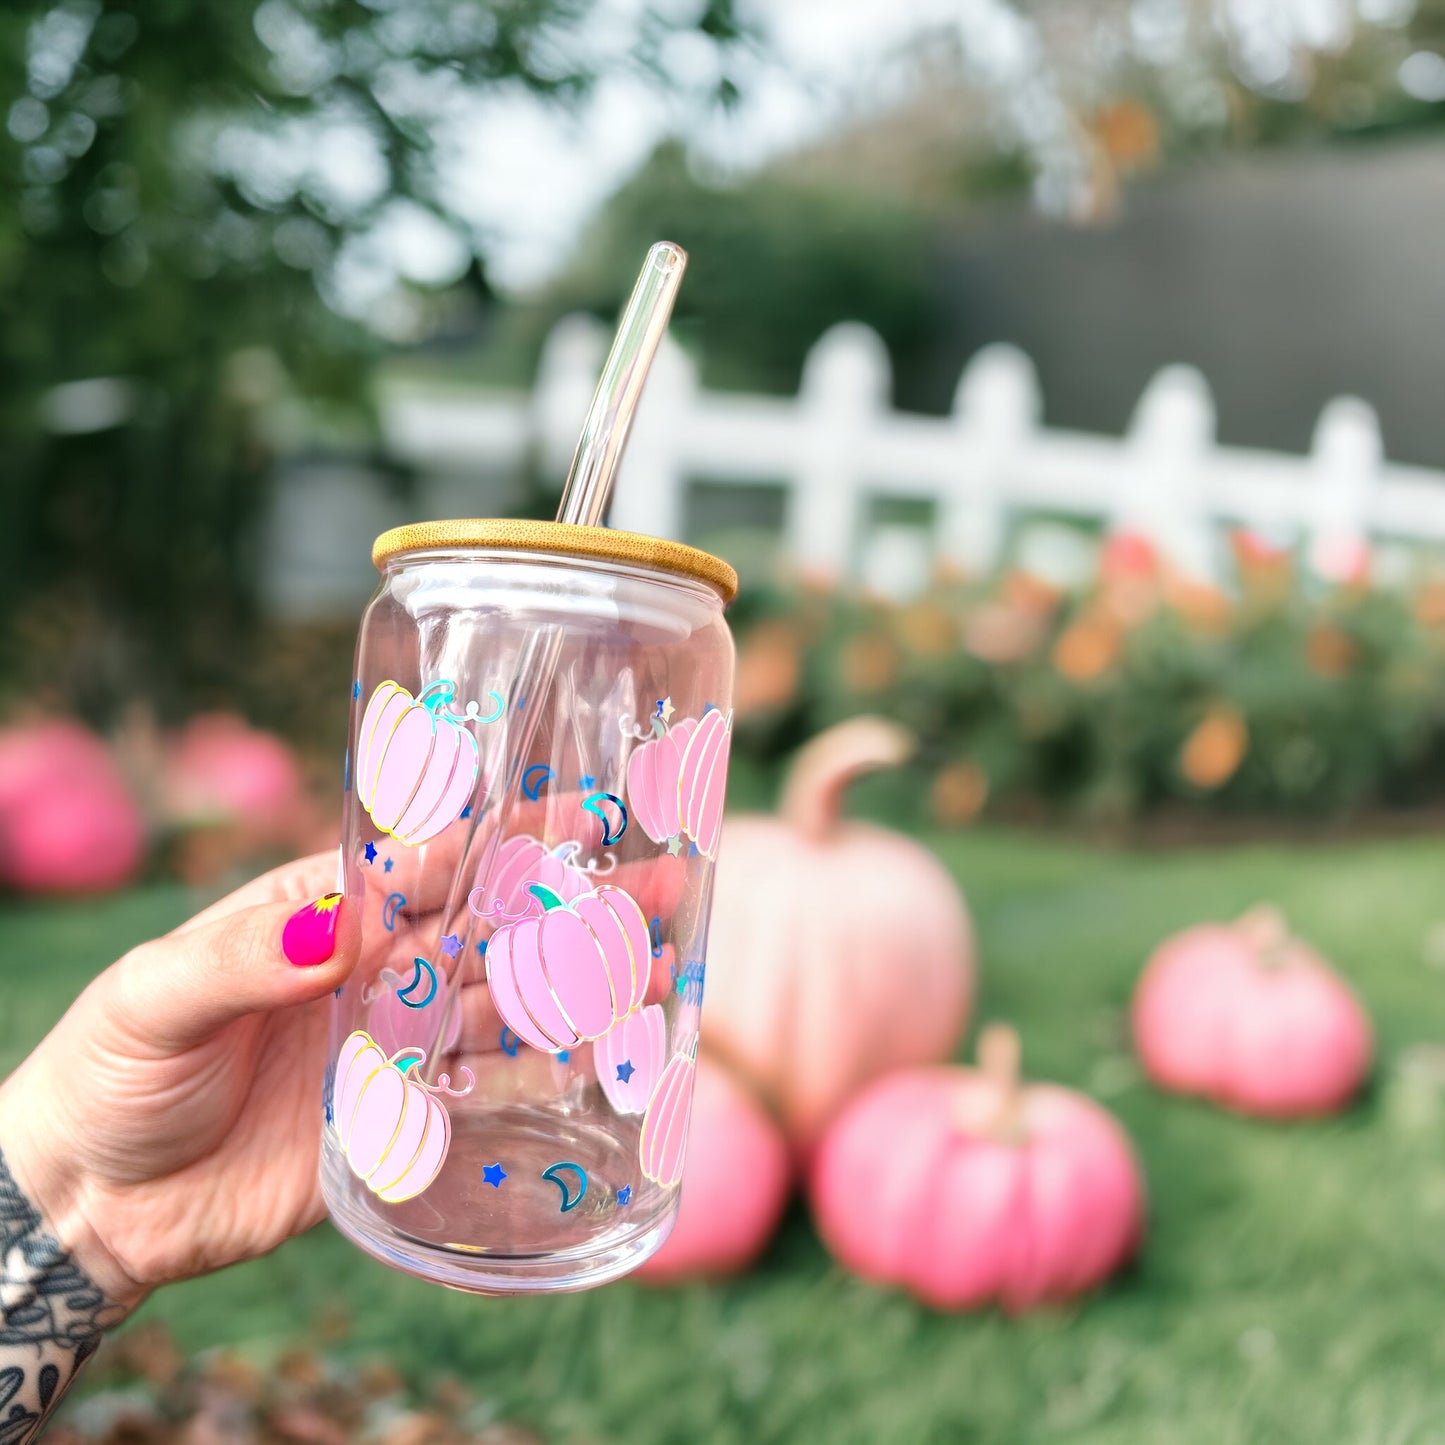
x=529 y=175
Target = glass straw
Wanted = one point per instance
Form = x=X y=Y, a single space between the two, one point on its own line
x=584 y=503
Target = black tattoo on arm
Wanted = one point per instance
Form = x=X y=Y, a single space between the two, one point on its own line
x=51 y=1316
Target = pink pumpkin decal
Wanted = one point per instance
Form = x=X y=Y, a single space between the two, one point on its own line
x=629 y=1059
x=676 y=782
x=521 y=861
x=394 y=1130
x=396 y=1026
x=653 y=773
x=1251 y=1018
x=662 y=1145
x=734 y=1187
x=702 y=782
x=416 y=767
x=967 y=1188
x=572 y=972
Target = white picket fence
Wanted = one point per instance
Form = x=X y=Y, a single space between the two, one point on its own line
x=838 y=445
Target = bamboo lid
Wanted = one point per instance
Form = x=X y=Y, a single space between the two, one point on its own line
x=573 y=541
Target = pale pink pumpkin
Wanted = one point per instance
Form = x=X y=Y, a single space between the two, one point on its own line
x=521 y=861
x=838 y=950
x=676 y=783
x=415 y=766
x=68 y=822
x=702 y=781
x=653 y=774
x=1251 y=1018
x=662 y=1145
x=629 y=1059
x=734 y=1186
x=394 y=1130
x=220 y=769
x=571 y=972
x=967 y=1189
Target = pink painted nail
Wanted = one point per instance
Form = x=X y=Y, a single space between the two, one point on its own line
x=309 y=937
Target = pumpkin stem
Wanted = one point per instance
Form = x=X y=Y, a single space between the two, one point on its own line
x=999 y=1055
x=1266 y=931
x=546 y=897
x=438 y=695
x=823 y=769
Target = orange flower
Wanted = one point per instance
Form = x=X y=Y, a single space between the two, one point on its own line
x=1214 y=750
x=958 y=793
x=869 y=663
x=1205 y=609
x=1030 y=594
x=997 y=632
x=926 y=628
x=1329 y=651
x=1087 y=648
x=1128 y=133
x=769 y=662
x=1430 y=604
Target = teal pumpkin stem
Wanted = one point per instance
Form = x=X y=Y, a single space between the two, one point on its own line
x=546 y=897
x=438 y=695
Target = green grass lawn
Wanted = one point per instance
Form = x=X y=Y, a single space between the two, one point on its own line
x=1292 y=1287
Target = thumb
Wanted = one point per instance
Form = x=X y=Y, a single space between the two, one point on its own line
x=180 y=990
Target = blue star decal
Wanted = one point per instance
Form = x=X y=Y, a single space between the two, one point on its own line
x=586 y=781
x=466 y=812
x=387 y=866
x=681 y=984
x=693 y=851
x=356 y=688
x=624 y=1196
x=625 y=1071
x=493 y=1174
x=482 y=949
x=371 y=852
x=451 y=945
x=563 y=1055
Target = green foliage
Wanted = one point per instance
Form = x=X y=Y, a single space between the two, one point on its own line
x=189 y=181
x=1134 y=698
x=1288 y=1291
x=775 y=260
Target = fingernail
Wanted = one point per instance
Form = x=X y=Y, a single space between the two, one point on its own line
x=309 y=937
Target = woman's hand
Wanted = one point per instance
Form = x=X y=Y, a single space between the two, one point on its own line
x=170 y=1123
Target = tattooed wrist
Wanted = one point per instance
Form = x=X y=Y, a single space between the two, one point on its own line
x=52 y=1315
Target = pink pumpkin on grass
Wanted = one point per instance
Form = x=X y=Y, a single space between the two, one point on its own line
x=416 y=767
x=734 y=1186
x=219 y=769
x=676 y=782
x=574 y=970
x=968 y=1189
x=1251 y=1018
x=838 y=950
x=68 y=823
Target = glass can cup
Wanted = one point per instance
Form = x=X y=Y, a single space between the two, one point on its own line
x=539 y=738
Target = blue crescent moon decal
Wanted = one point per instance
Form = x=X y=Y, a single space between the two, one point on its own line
x=554 y=1173
x=535 y=779
x=509 y=1041
x=594 y=805
x=405 y=994
x=395 y=902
